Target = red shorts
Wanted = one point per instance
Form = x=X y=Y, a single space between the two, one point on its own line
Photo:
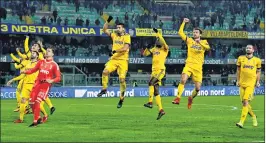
x=39 y=92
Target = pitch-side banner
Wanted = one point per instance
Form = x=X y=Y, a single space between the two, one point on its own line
x=89 y=92
x=132 y=60
x=56 y=30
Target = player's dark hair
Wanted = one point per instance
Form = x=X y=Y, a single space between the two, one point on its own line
x=122 y=24
x=36 y=53
x=52 y=48
x=198 y=29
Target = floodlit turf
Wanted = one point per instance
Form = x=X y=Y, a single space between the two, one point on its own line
x=211 y=119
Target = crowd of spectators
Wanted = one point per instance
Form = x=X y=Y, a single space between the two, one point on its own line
x=206 y=12
x=92 y=46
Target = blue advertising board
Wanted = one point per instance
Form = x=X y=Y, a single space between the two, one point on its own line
x=90 y=92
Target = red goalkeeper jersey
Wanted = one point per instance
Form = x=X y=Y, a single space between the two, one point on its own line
x=48 y=69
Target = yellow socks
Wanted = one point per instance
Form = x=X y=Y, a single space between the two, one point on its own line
x=22 y=109
x=180 y=89
x=194 y=93
x=43 y=110
x=250 y=112
x=18 y=97
x=123 y=86
x=159 y=102
x=244 y=114
x=48 y=102
x=104 y=81
x=151 y=93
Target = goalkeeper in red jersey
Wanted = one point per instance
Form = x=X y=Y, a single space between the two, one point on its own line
x=49 y=73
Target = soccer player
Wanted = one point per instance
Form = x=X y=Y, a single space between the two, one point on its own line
x=118 y=60
x=28 y=82
x=193 y=65
x=20 y=64
x=49 y=73
x=38 y=47
x=159 y=54
x=248 y=76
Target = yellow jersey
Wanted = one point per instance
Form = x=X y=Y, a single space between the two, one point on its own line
x=195 y=53
x=29 y=78
x=28 y=53
x=248 y=70
x=118 y=43
x=159 y=56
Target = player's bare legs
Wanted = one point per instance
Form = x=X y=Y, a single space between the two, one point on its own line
x=122 y=92
x=105 y=75
x=194 y=94
x=243 y=114
x=180 y=88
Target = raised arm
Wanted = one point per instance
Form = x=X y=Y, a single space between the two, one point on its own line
x=181 y=30
x=105 y=26
x=15 y=58
x=105 y=29
x=23 y=56
x=161 y=39
x=26 y=46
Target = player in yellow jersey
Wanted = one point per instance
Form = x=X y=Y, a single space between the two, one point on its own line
x=37 y=47
x=118 y=60
x=194 y=62
x=159 y=54
x=20 y=64
x=248 y=77
x=28 y=82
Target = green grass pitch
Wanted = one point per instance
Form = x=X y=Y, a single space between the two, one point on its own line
x=211 y=119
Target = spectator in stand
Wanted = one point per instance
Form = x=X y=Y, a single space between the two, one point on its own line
x=87 y=22
x=97 y=22
x=66 y=21
x=43 y=20
x=55 y=14
x=161 y=24
x=59 y=20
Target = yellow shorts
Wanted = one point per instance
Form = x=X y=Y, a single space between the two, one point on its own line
x=26 y=90
x=196 y=74
x=120 y=65
x=19 y=87
x=159 y=74
x=246 y=93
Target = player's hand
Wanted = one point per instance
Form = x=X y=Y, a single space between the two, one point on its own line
x=17 y=49
x=186 y=20
x=49 y=80
x=237 y=84
x=258 y=84
x=155 y=30
x=9 y=83
x=110 y=18
x=22 y=72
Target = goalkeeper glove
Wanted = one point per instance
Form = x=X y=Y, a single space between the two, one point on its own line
x=110 y=18
x=155 y=30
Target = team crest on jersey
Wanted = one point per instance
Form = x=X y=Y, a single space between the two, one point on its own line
x=196 y=47
x=156 y=53
x=118 y=42
x=248 y=67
